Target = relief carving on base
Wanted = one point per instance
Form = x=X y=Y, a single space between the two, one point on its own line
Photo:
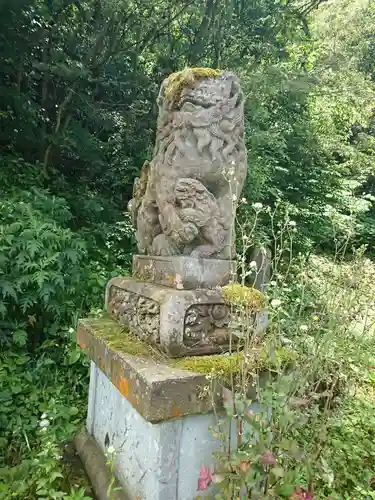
x=212 y=325
x=207 y=325
x=139 y=314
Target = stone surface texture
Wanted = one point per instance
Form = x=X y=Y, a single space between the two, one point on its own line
x=181 y=322
x=152 y=461
x=184 y=202
x=184 y=273
x=96 y=468
x=156 y=391
x=263 y=259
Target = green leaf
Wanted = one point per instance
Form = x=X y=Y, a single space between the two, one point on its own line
x=73 y=410
x=55 y=475
x=7 y=290
x=20 y=337
x=286 y=490
x=16 y=389
x=3 y=309
x=73 y=356
x=277 y=471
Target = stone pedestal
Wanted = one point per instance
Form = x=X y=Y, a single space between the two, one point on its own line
x=184 y=273
x=155 y=416
x=158 y=461
x=181 y=322
x=176 y=304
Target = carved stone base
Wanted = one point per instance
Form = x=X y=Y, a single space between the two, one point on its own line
x=182 y=272
x=181 y=322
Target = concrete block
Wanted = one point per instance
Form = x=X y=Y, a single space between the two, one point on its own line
x=158 y=461
x=157 y=418
x=157 y=391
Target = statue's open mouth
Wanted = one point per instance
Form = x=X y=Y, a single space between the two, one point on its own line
x=188 y=101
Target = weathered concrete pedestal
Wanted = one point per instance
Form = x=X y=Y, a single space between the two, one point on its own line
x=159 y=461
x=155 y=416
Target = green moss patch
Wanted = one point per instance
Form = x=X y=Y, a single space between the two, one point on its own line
x=186 y=78
x=118 y=338
x=226 y=366
x=243 y=296
x=216 y=364
x=262 y=358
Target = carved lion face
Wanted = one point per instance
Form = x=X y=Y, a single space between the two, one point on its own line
x=209 y=92
x=190 y=191
x=204 y=92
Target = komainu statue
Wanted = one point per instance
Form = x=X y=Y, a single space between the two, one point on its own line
x=184 y=202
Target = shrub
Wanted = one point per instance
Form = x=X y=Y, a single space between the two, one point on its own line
x=42 y=404
x=43 y=267
x=306 y=437
x=347 y=460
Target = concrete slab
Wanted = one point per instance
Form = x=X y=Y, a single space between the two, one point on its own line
x=156 y=390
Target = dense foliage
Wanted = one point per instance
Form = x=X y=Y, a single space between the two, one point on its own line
x=311 y=437
x=78 y=82
x=42 y=402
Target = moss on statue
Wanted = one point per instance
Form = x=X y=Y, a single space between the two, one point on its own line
x=226 y=366
x=118 y=338
x=243 y=296
x=139 y=190
x=262 y=358
x=178 y=81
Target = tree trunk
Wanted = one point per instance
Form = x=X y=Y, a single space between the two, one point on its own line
x=202 y=35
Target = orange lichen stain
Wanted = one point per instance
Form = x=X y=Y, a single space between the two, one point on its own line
x=176 y=412
x=123 y=387
x=81 y=340
x=132 y=399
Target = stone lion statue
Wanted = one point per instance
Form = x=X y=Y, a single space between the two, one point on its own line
x=204 y=227
x=185 y=201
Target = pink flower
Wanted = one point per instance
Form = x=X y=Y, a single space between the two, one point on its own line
x=268 y=458
x=205 y=478
x=301 y=494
